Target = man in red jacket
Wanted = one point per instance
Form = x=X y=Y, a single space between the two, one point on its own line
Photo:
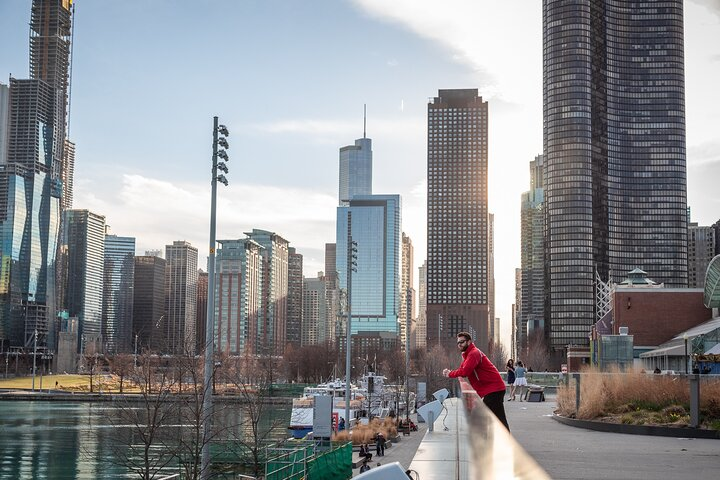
x=482 y=375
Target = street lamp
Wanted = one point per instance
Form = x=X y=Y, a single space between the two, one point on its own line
x=685 y=339
x=218 y=141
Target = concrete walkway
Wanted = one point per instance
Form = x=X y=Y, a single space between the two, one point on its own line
x=403 y=450
x=567 y=452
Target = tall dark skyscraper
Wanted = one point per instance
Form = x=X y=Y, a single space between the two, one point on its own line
x=614 y=152
x=295 y=297
x=149 y=314
x=457 y=231
x=31 y=186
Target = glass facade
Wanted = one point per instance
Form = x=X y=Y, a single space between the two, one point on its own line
x=458 y=258
x=84 y=238
x=118 y=293
x=238 y=295
x=375 y=227
x=355 y=170
x=614 y=152
x=34 y=113
x=532 y=270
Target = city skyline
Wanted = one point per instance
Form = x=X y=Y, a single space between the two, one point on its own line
x=288 y=114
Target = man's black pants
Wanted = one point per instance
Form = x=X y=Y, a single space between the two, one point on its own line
x=494 y=401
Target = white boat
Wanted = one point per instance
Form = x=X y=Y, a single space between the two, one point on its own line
x=371 y=398
x=301 y=416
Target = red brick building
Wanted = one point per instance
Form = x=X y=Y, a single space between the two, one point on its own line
x=654 y=315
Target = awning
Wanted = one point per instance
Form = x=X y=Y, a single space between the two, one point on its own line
x=672 y=351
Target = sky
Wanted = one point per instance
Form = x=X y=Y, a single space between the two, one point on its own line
x=289 y=79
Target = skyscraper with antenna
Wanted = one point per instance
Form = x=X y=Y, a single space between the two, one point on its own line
x=374 y=223
x=356 y=167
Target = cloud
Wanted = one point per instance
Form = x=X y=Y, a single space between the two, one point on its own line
x=485 y=44
x=157 y=212
x=704 y=153
x=340 y=130
x=713 y=5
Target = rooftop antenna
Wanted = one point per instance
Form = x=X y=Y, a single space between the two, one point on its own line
x=364 y=118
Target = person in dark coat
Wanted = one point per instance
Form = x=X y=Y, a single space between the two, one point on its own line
x=380 y=444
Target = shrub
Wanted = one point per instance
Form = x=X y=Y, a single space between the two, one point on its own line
x=626 y=393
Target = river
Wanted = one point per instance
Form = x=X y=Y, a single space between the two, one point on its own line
x=76 y=440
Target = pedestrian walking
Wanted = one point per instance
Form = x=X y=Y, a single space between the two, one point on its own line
x=482 y=375
x=510 y=369
x=380 y=444
x=520 y=381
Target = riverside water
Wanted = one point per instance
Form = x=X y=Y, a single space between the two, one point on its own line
x=78 y=440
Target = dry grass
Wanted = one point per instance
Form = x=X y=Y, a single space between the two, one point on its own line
x=639 y=398
x=70 y=383
x=366 y=433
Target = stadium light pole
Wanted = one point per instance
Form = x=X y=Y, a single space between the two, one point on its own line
x=220 y=132
x=351 y=267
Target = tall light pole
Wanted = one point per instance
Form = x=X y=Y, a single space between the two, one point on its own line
x=408 y=313
x=35 y=356
x=351 y=267
x=220 y=132
x=685 y=338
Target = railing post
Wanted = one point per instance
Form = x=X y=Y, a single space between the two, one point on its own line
x=694 y=400
x=577 y=393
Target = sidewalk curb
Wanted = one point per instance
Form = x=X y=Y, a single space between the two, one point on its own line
x=678 y=432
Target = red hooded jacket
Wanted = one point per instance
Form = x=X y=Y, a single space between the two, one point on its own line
x=480 y=372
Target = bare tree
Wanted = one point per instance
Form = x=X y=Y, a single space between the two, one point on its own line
x=498 y=355
x=121 y=365
x=142 y=443
x=252 y=377
x=434 y=362
x=538 y=355
x=393 y=365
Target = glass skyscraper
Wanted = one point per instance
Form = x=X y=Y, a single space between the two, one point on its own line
x=532 y=286
x=84 y=239
x=457 y=230
x=355 y=170
x=118 y=293
x=31 y=174
x=614 y=152
x=375 y=226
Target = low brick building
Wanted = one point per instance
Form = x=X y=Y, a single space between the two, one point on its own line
x=654 y=315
